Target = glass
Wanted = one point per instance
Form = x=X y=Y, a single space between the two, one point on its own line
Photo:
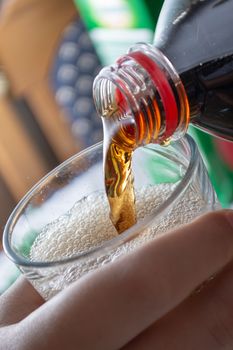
x=172 y=187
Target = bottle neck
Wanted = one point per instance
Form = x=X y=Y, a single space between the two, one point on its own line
x=142 y=95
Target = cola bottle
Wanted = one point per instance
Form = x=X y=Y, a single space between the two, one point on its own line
x=154 y=91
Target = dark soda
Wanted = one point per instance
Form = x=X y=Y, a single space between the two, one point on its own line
x=153 y=92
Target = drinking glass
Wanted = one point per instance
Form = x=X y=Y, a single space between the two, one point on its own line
x=55 y=234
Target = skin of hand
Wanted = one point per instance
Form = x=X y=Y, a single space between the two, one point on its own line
x=149 y=299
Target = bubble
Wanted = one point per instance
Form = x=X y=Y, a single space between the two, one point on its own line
x=87 y=225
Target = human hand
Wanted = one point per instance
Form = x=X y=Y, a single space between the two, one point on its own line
x=144 y=300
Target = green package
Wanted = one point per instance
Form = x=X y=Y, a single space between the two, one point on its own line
x=115 y=25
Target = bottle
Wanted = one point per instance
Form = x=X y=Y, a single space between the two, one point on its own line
x=154 y=91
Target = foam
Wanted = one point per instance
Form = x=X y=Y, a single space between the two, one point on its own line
x=87 y=225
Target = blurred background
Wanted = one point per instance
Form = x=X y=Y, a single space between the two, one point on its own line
x=50 y=52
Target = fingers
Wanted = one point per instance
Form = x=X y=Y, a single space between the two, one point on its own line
x=18 y=301
x=108 y=308
x=204 y=321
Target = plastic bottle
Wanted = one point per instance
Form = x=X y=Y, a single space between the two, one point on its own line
x=185 y=76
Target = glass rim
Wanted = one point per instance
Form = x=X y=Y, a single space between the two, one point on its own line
x=109 y=244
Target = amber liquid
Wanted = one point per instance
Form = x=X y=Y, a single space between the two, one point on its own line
x=118 y=152
x=119 y=186
x=201 y=49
